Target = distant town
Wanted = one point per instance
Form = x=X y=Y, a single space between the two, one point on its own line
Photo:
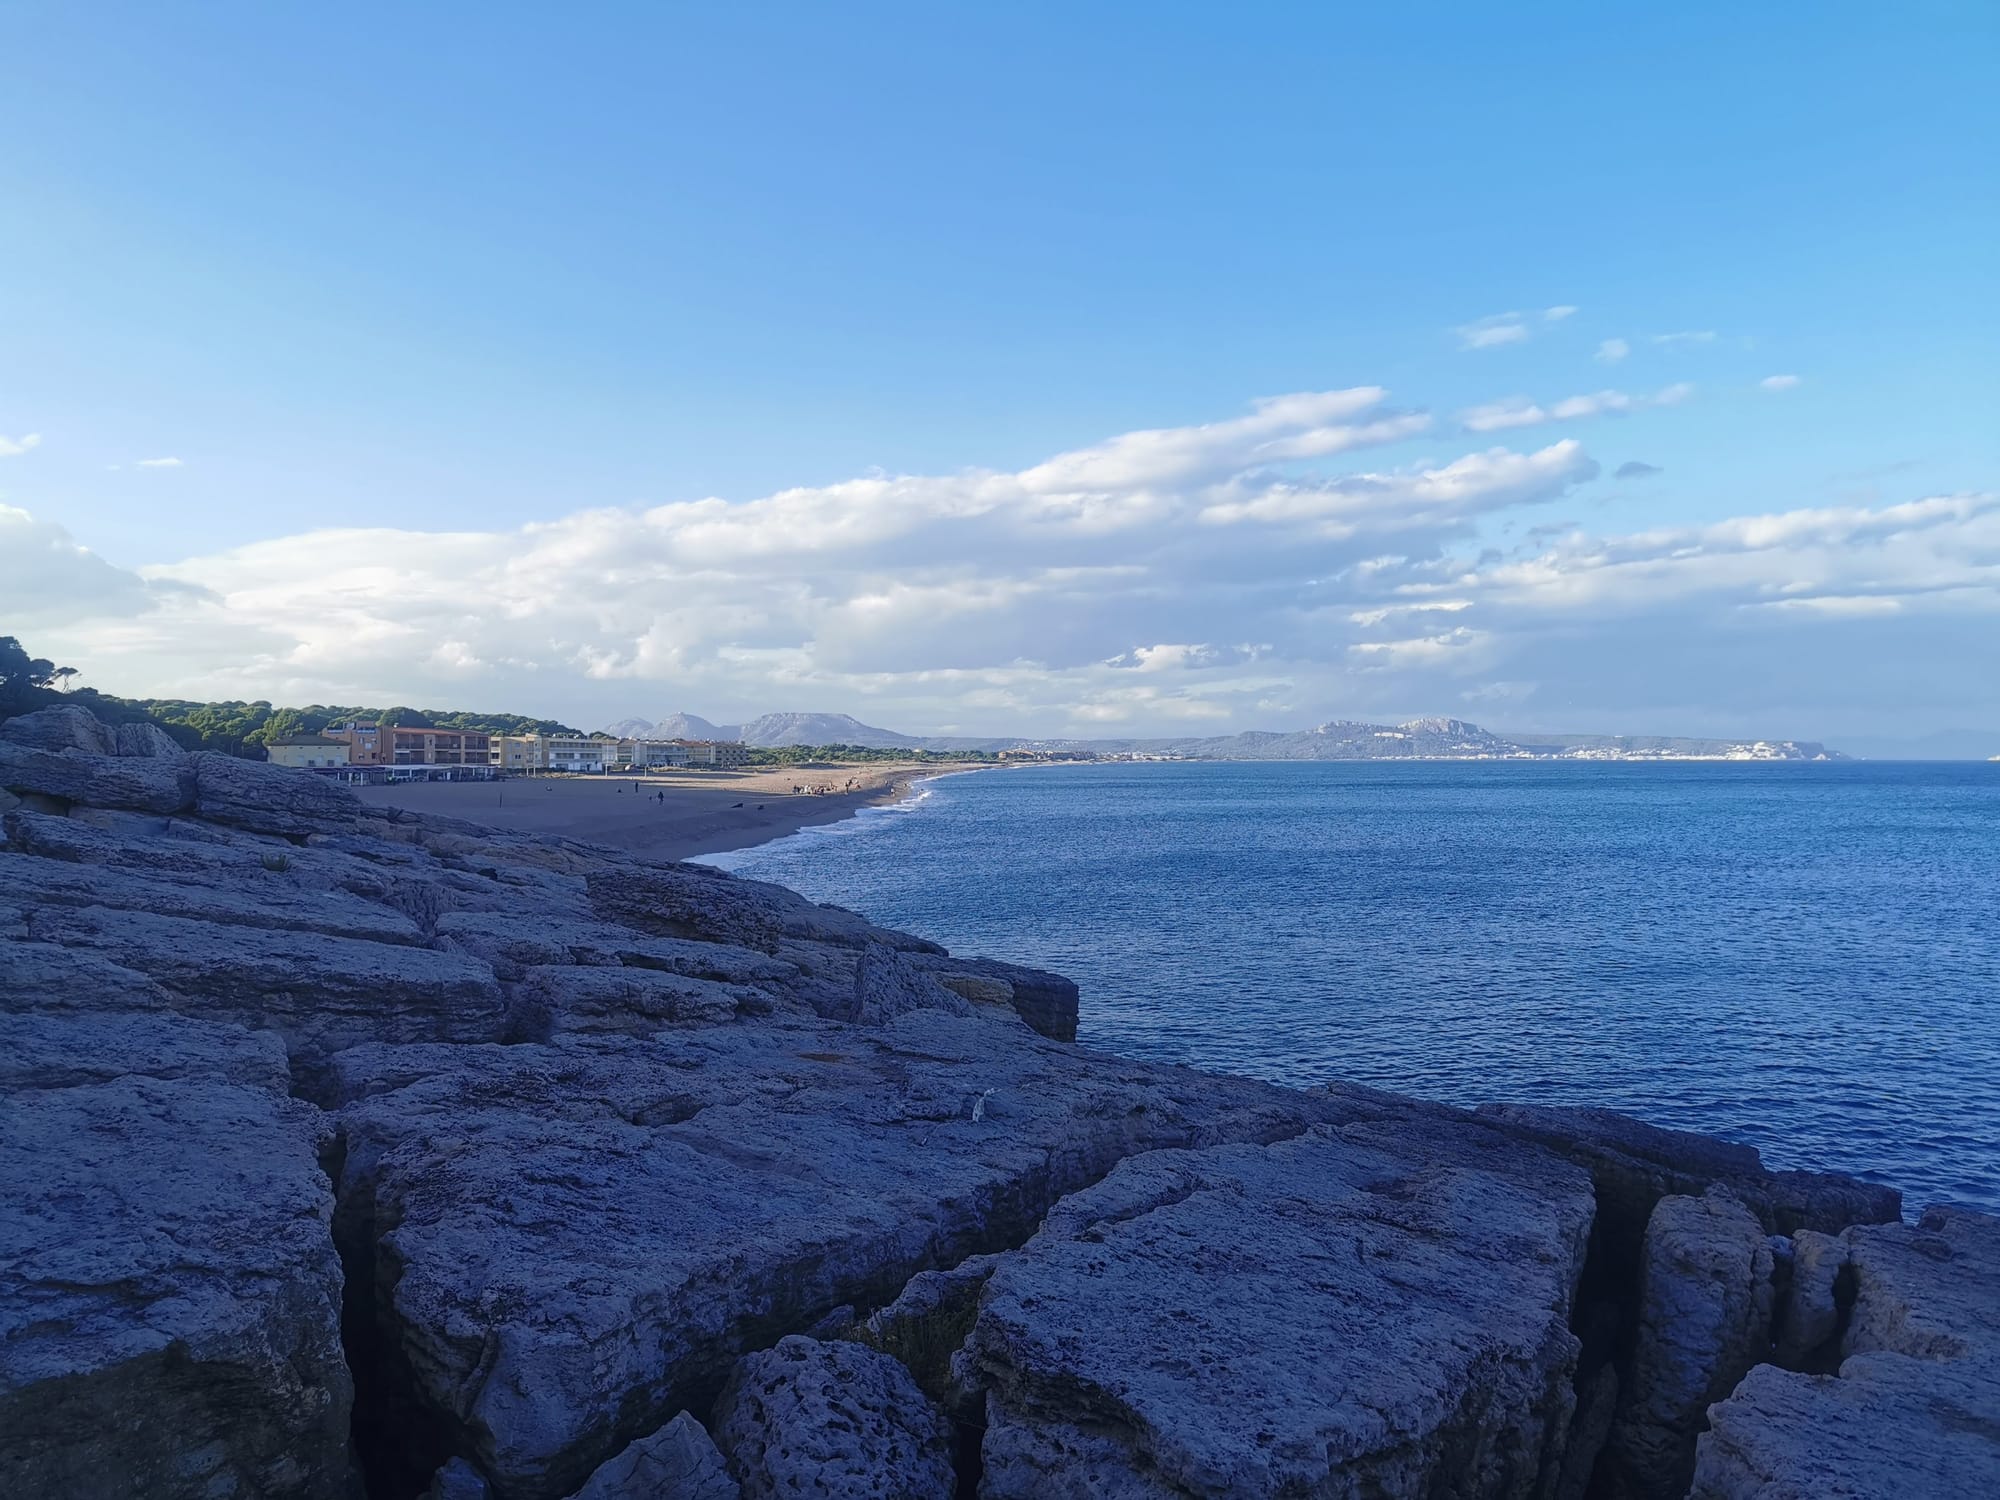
x=366 y=750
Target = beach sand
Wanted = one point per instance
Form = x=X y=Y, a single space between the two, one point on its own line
x=704 y=812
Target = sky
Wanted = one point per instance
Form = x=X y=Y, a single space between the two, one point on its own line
x=1037 y=369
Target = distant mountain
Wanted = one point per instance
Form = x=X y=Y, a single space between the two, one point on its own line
x=1338 y=739
x=774 y=730
x=675 y=726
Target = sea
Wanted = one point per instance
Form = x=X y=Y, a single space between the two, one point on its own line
x=1803 y=956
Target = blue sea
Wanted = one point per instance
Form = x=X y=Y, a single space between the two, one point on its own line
x=1801 y=956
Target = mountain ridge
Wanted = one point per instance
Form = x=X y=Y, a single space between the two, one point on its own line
x=1424 y=738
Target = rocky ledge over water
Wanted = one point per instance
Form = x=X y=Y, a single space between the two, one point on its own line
x=354 y=1154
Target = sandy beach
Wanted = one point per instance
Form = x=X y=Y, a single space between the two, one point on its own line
x=671 y=814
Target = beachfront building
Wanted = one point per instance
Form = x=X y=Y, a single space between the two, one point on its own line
x=372 y=744
x=715 y=754
x=551 y=752
x=309 y=752
x=651 y=755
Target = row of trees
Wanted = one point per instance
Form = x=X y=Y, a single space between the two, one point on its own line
x=31 y=682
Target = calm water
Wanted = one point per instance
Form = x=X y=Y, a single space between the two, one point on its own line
x=1803 y=957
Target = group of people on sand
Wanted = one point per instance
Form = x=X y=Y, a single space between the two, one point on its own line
x=803 y=789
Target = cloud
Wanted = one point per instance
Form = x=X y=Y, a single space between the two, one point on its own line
x=1557 y=314
x=1492 y=332
x=1779 y=382
x=1519 y=411
x=1109 y=587
x=15 y=447
x=1634 y=469
x=159 y=463
x=1613 y=350
x=1685 y=339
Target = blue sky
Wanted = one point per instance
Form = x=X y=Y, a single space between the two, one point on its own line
x=486 y=271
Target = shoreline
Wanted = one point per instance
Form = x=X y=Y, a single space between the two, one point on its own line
x=677 y=815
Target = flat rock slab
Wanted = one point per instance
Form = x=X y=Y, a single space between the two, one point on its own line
x=1364 y=1310
x=1915 y=1409
x=576 y=1240
x=169 y=1293
x=835 y=1420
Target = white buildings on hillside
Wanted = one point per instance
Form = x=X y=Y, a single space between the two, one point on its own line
x=594 y=754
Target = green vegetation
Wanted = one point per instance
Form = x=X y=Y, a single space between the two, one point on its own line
x=799 y=755
x=31 y=682
x=245 y=728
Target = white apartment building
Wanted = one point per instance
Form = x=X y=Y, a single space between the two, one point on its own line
x=552 y=752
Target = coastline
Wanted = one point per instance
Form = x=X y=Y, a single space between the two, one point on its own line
x=673 y=816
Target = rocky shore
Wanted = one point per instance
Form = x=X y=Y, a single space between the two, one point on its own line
x=349 y=1152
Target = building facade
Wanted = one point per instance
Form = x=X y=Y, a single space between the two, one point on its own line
x=551 y=752
x=309 y=752
x=715 y=754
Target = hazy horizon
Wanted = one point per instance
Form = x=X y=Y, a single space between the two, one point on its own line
x=1148 y=388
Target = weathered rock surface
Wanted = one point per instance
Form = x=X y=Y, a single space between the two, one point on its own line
x=832 y=1419
x=169 y=1294
x=739 y=1183
x=1705 y=1307
x=1809 y=1316
x=1362 y=1310
x=679 y=1462
x=270 y=799
x=1915 y=1407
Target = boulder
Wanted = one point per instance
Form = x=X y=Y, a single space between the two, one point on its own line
x=832 y=1419
x=572 y=1241
x=1705 y=1306
x=1362 y=1310
x=679 y=1462
x=1915 y=1407
x=270 y=799
x=1809 y=1314
x=694 y=901
x=148 y=784
x=170 y=1303
x=66 y=726
x=1047 y=1002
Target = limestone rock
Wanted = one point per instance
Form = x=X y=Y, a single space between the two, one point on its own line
x=1705 y=1292
x=1362 y=1310
x=693 y=901
x=458 y=1480
x=551 y=998
x=1047 y=1002
x=927 y=1324
x=143 y=784
x=835 y=1420
x=169 y=1294
x=574 y=1240
x=1635 y=1165
x=679 y=1462
x=321 y=993
x=1915 y=1409
x=270 y=799
x=1809 y=1316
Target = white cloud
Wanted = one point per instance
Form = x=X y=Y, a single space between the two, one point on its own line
x=1613 y=350
x=1492 y=332
x=1686 y=338
x=1557 y=314
x=15 y=447
x=1097 y=590
x=159 y=463
x=1519 y=411
x=1779 y=382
